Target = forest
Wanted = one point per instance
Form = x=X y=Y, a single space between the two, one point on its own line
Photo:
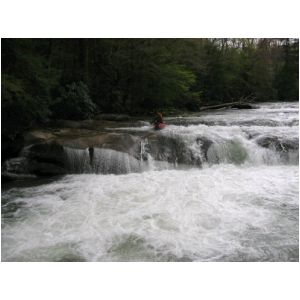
x=51 y=79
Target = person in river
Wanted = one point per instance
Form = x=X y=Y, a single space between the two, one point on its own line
x=158 y=121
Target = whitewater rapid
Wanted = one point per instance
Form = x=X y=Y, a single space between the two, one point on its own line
x=222 y=211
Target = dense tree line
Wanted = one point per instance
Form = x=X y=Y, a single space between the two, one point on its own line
x=45 y=79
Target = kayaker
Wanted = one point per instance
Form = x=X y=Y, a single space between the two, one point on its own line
x=158 y=121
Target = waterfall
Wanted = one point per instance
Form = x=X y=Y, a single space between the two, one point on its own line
x=200 y=144
x=187 y=193
x=77 y=160
x=176 y=150
x=107 y=161
x=101 y=161
x=263 y=137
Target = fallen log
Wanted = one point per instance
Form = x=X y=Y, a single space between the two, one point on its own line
x=237 y=105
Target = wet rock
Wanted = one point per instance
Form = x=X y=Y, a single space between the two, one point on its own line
x=11 y=147
x=244 y=106
x=18 y=165
x=204 y=145
x=121 y=142
x=16 y=169
x=172 y=150
x=37 y=136
x=48 y=158
x=7 y=176
x=143 y=123
x=124 y=143
x=46 y=169
x=44 y=159
x=257 y=122
x=71 y=258
x=290 y=144
x=113 y=117
x=52 y=153
x=65 y=124
x=229 y=152
x=273 y=142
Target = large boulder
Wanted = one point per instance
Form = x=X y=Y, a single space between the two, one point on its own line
x=273 y=142
x=47 y=169
x=16 y=169
x=287 y=148
x=44 y=159
x=11 y=147
x=53 y=156
x=174 y=150
x=37 y=136
x=121 y=142
x=18 y=165
x=52 y=153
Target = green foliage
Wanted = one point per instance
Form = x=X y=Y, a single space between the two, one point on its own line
x=20 y=110
x=24 y=87
x=287 y=79
x=73 y=78
x=175 y=82
x=74 y=103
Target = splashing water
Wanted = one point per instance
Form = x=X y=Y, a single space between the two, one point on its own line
x=103 y=161
x=235 y=199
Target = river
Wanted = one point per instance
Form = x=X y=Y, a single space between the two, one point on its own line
x=235 y=201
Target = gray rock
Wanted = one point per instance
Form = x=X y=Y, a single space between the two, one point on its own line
x=113 y=117
x=37 y=136
x=7 y=176
x=274 y=142
x=244 y=106
x=172 y=150
x=16 y=169
x=46 y=169
x=121 y=142
x=47 y=152
x=18 y=165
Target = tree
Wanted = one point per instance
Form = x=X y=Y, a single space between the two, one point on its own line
x=287 y=79
x=74 y=103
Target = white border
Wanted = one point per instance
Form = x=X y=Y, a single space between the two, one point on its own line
x=149 y=18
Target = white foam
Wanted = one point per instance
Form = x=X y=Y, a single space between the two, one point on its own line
x=218 y=213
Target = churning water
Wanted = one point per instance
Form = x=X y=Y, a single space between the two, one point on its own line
x=215 y=187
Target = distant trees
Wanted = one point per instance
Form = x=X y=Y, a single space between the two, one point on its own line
x=74 y=103
x=287 y=78
x=73 y=78
x=25 y=87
